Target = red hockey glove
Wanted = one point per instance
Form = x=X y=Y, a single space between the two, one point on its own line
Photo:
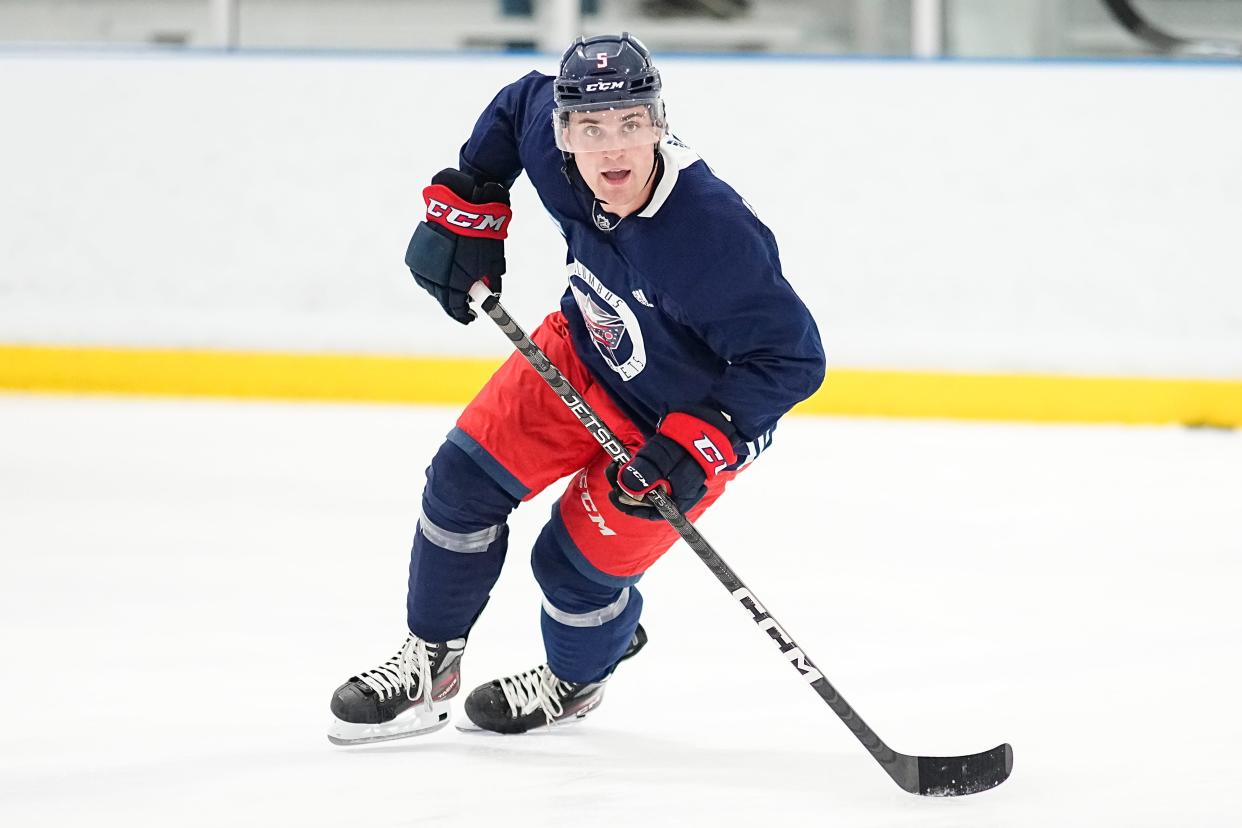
x=686 y=451
x=462 y=240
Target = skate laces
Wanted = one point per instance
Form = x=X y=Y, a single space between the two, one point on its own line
x=410 y=668
x=537 y=688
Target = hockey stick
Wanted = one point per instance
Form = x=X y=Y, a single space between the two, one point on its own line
x=1123 y=12
x=925 y=775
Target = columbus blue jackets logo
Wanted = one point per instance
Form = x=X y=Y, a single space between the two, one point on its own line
x=606 y=329
x=612 y=326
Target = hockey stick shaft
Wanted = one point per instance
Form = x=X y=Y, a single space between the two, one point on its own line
x=904 y=773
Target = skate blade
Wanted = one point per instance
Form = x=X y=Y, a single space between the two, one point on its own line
x=346 y=734
x=475 y=731
x=467 y=725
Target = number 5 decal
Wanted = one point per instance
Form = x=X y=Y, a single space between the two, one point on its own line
x=601 y=60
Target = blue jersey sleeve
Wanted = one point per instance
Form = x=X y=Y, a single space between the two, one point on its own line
x=494 y=150
x=740 y=304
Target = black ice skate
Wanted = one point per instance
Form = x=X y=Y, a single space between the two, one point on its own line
x=389 y=703
x=516 y=704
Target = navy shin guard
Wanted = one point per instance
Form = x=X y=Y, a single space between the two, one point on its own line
x=459 y=546
x=586 y=624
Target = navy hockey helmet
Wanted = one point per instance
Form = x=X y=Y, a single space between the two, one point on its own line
x=607 y=96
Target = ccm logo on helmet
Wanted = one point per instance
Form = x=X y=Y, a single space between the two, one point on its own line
x=603 y=86
x=463 y=219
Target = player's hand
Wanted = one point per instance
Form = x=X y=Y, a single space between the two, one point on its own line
x=688 y=450
x=461 y=242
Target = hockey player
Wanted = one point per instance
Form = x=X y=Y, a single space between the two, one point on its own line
x=678 y=328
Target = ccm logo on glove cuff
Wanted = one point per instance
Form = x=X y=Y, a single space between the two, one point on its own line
x=708 y=445
x=484 y=221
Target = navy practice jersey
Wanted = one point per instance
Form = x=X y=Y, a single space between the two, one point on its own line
x=678 y=305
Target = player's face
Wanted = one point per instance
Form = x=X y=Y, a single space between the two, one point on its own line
x=620 y=172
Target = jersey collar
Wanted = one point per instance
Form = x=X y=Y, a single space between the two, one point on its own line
x=677 y=156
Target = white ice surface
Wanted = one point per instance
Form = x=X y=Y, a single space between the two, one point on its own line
x=183 y=584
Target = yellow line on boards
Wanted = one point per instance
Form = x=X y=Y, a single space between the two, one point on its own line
x=1029 y=397
x=454 y=380
x=241 y=374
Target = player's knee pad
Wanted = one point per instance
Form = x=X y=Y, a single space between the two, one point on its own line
x=459 y=546
x=460 y=496
x=564 y=580
x=586 y=624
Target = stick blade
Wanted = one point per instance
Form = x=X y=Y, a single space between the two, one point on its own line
x=961 y=775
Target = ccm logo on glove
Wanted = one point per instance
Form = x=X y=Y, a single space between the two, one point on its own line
x=462 y=240
x=686 y=451
x=446 y=208
x=707 y=434
x=710 y=453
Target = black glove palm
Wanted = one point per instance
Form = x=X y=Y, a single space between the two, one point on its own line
x=462 y=240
